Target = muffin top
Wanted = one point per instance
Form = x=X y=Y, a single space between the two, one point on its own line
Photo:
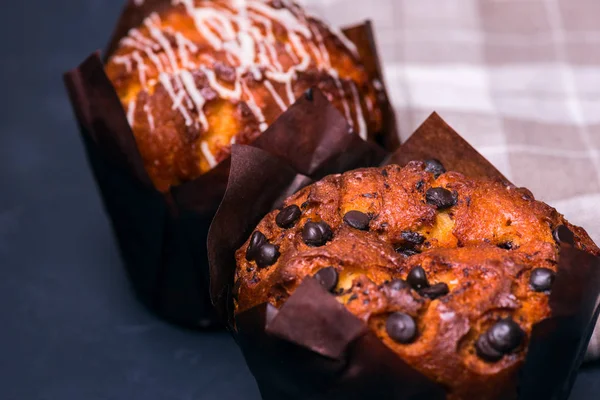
x=201 y=75
x=450 y=272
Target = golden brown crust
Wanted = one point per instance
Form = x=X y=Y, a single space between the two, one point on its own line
x=484 y=248
x=195 y=78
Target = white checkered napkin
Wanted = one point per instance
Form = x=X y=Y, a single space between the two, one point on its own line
x=519 y=79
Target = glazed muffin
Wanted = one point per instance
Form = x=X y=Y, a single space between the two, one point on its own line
x=451 y=273
x=202 y=75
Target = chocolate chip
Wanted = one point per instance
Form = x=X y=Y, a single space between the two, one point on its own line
x=505 y=335
x=413 y=238
x=441 y=198
x=506 y=245
x=316 y=234
x=384 y=172
x=541 y=279
x=401 y=327
x=398 y=284
x=328 y=278
x=417 y=278
x=357 y=220
x=407 y=252
x=562 y=234
x=420 y=185
x=208 y=93
x=288 y=216
x=256 y=241
x=434 y=167
x=224 y=72
x=267 y=255
x=485 y=351
x=309 y=94
x=434 y=291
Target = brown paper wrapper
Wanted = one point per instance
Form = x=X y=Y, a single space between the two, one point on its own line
x=313 y=348
x=162 y=236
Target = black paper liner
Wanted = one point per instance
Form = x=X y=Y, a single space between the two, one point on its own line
x=162 y=236
x=313 y=348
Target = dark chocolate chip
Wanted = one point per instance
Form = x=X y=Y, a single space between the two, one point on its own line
x=328 y=278
x=256 y=241
x=357 y=220
x=417 y=278
x=398 y=284
x=562 y=234
x=267 y=255
x=440 y=198
x=506 y=245
x=352 y=297
x=420 y=185
x=401 y=327
x=435 y=167
x=407 y=252
x=541 y=279
x=309 y=94
x=384 y=172
x=505 y=335
x=434 y=291
x=288 y=216
x=316 y=234
x=413 y=238
x=485 y=351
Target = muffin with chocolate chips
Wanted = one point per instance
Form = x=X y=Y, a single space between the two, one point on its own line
x=450 y=272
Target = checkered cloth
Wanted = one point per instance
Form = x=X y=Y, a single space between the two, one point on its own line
x=518 y=79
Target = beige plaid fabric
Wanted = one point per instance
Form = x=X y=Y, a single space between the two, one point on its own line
x=519 y=79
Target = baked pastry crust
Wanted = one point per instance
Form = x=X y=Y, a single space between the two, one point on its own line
x=488 y=255
x=202 y=75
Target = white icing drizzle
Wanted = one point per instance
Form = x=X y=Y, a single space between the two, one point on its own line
x=275 y=95
x=345 y=41
x=362 y=126
x=131 y=112
x=127 y=41
x=149 y=116
x=136 y=35
x=322 y=52
x=141 y=67
x=126 y=61
x=369 y=103
x=251 y=102
x=210 y=158
x=165 y=80
x=223 y=91
x=288 y=48
x=197 y=98
x=377 y=85
x=338 y=83
x=242 y=32
x=283 y=16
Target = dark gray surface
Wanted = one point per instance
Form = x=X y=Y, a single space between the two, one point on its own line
x=72 y=329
